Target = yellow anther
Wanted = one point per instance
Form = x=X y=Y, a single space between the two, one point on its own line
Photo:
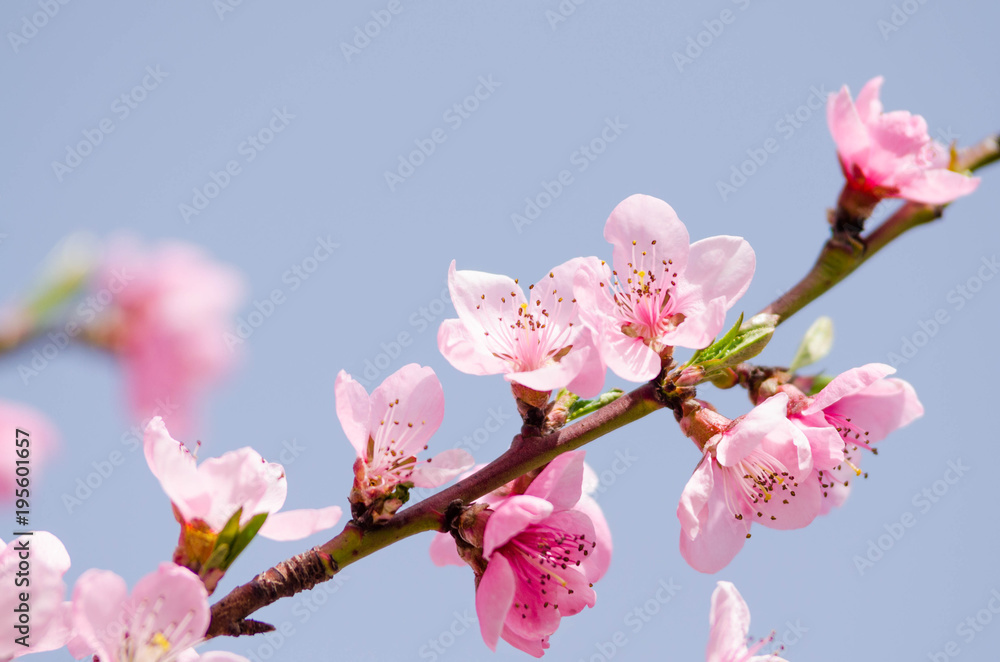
x=161 y=641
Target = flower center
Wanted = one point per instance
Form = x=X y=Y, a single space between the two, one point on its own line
x=643 y=294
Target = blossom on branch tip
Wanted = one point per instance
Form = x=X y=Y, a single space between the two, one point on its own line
x=164 y=617
x=663 y=292
x=535 y=339
x=756 y=468
x=890 y=155
x=729 y=620
x=172 y=309
x=207 y=496
x=857 y=409
x=45 y=624
x=388 y=429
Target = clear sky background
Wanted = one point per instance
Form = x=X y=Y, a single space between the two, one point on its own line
x=554 y=86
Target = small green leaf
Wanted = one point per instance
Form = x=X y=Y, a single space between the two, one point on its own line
x=230 y=530
x=581 y=408
x=816 y=344
x=743 y=342
x=244 y=537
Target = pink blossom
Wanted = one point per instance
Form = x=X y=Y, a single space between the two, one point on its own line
x=49 y=616
x=389 y=429
x=175 y=308
x=754 y=469
x=857 y=409
x=890 y=155
x=212 y=492
x=39 y=444
x=540 y=548
x=164 y=617
x=730 y=623
x=536 y=340
x=662 y=292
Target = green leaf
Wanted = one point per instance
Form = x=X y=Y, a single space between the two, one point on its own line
x=743 y=342
x=244 y=537
x=230 y=530
x=581 y=408
x=816 y=344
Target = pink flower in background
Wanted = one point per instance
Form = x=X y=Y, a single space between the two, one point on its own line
x=48 y=623
x=213 y=491
x=166 y=614
x=536 y=340
x=663 y=292
x=730 y=623
x=389 y=428
x=890 y=155
x=857 y=409
x=38 y=445
x=174 y=308
x=753 y=470
x=542 y=558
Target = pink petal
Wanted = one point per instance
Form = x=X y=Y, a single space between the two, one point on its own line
x=407 y=407
x=847 y=383
x=558 y=284
x=494 y=597
x=298 y=524
x=629 y=358
x=174 y=466
x=704 y=321
x=510 y=518
x=848 y=130
x=826 y=446
x=800 y=510
x=534 y=647
x=938 y=187
x=219 y=656
x=172 y=595
x=590 y=380
x=457 y=345
x=99 y=597
x=444 y=466
x=557 y=374
x=720 y=537
x=899 y=133
x=49 y=561
x=478 y=299
x=353 y=411
x=654 y=227
x=443 y=551
x=561 y=482
x=868 y=105
x=729 y=619
x=600 y=558
x=692 y=510
x=720 y=266
x=883 y=407
x=241 y=479
x=750 y=430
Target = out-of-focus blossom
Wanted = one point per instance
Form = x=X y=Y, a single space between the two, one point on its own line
x=33 y=566
x=536 y=340
x=890 y=155
x=388 y=429
x=663 y=291
x=172 y=307
x=164 y=617
x=730 y=623
x=756 y=468
x=32 y=438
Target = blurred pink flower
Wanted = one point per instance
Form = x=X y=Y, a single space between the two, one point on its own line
x=164 y=617
x=730 y=623
x=890 y=155
x=537 y=341
x=174 y=306
x=389 y=429
x=213 y=491
x=37 y=446
x=754 y=469
x=542 y=561
x=662 y=292
x=856 y=409
x=46 y=618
